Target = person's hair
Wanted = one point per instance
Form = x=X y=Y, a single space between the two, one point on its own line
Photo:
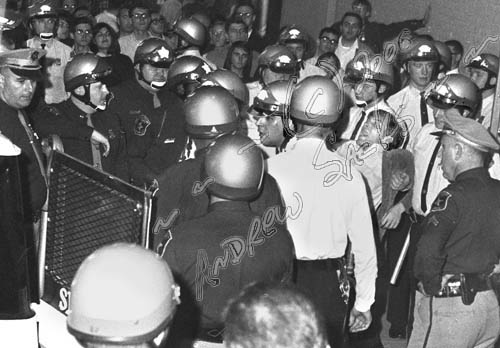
x=247 y=69
x=115 y=46
x=139 y=4
x=245 y=3
x=234 y=20
x=328 y=30
x=328 y=56
x=455 y=44
x=273 y=315
x=389 y=126
x=81 y=20
x=351 y=14
x=365 y=3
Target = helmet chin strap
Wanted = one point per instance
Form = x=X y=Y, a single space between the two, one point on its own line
x=157 y=85
x=46 y=36
x=360 y=103
x=86 y=99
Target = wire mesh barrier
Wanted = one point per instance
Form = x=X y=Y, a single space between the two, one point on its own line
x=87 y=209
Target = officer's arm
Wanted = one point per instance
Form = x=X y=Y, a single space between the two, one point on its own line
x=436 y=230
x=363 y=245
x=49 y=121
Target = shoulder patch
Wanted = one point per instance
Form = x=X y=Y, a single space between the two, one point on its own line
x=441 y=202
x=141 y=124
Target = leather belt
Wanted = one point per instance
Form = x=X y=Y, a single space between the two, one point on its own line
x=475 y=281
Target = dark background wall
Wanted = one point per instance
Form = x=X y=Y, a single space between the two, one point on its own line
x=469 y=21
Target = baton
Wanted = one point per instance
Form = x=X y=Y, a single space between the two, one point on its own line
x=401 y=259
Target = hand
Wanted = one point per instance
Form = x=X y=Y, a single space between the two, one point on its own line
x=391 y=219
x=427 y=15
x=359 y=321
x=400 y=181
x=101 y=139
x=420 y=287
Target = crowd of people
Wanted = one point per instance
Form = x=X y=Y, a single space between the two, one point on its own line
x=292 y=176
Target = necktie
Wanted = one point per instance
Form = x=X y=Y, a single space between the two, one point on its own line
x=156 y=101
x=96 y=152
x=425 y=186
x=424 y=117
x=355 y=132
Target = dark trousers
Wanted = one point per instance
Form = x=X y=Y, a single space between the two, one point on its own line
x=318 y=279
x=401 y=294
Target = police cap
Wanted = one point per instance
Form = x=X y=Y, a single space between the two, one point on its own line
x=468 y=131
x=23 y=62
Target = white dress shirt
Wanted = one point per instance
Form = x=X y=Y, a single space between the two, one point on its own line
x=487 y=110
x=369 y=163
x=355 y=113
x=422 y=148
x=346 y=54
x=406 y=104
x=58 y=55
x=326 y=203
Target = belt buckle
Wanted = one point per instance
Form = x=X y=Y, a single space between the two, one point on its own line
x=451 y=289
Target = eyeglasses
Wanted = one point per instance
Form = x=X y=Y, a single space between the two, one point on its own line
x=244 y=15
x=82 y=32
x=238 y=31
x=158 y=20
x=140 y=15
x=104 y=34
x=327 y=39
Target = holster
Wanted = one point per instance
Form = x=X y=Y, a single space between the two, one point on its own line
x=468 y=291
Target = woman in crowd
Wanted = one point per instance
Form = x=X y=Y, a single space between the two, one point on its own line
x=106 y=45
x=239 y=60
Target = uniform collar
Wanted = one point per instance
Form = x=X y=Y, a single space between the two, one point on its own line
x=229 y=206
x=478 y=172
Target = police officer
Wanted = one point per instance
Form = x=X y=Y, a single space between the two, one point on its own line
x=328 y=203
x=87 y=131
x=186 y=73
x=192 y=38
x=210 y=112
x=299 y=42
x=122 y=296
x=452 y=92
x=19 y=72
x=151 y=115
x=371 y=79
x=419 y=59
x=483 y=71
x=43 y=24
x=217 y=254
x=269 y=109
x=459 y=247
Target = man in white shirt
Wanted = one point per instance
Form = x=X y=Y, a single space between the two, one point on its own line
x=349 y=43
x=420 y=62
x=42 y=22
x=141 y=19
x=326 y=204
x=483 y=71
x=371 y=78
x=455 y=92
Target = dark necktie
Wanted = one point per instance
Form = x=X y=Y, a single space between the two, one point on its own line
x=425 y=186
x=358 y=126
x=424 y=117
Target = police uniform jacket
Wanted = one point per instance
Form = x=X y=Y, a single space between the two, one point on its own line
x=33 y=183
x=460 y=234
x=70 y=123
x=216 y=255
x=155 y=136
x=182 y=197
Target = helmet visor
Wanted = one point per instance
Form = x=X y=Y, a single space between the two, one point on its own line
x=283 y=66
x=442 y=97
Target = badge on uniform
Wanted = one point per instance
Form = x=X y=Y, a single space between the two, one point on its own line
x=141 y=124
x=441 y=202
